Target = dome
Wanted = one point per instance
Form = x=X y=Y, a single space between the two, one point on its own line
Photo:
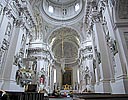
x=56 y=11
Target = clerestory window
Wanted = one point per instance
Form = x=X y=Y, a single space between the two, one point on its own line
x=77 y=6
x=50 y=9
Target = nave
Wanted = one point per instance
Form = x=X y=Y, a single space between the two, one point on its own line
x=54 y=45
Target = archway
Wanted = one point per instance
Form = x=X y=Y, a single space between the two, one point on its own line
x=65 y=43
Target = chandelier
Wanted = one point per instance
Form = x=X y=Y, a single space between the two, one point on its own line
x=62 y=59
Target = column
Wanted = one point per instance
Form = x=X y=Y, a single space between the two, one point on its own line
x=10 y=56
x=120 y=57
x=104 y=85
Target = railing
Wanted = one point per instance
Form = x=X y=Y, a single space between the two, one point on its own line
x=25 y=96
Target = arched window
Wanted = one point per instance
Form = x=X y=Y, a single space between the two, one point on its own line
x=54 y=75
x=50 y=9
x=77 y=6
x=87 y=78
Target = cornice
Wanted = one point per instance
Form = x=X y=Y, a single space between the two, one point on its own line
x=70 y=2
x=37 y=49
x=121 y=24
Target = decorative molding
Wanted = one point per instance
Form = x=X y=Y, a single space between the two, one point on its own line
x=112 y=44
x=121 y=24
x=87 y=56
x=18 y=22
x=96 y=16
x=102 y=6
x=87 y=49
x=24 y=76
x=98 y=55
x=8 y=13
x=1 y=55
x=5 y=44
x=1 y=8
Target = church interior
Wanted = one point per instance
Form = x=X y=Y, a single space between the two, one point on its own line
x=76 y=46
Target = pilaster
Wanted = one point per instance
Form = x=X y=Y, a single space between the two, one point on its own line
x=102 y=52
x=9 y=60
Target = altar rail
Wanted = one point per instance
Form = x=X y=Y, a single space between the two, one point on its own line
x=99 y=96
x=25 y=96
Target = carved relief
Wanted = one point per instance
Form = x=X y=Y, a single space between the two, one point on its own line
x=112 y=44
x=98 y=73
x=24 y=76
x=5 y=44
x=18 y=23
x=8 y=32
x=89 y=57
x=105 y=27
x=18 y=59
x=88 y=78
x=87 y=53
x=9 y=13
x=88 y=35
x=102 y=5
x=1 y=8
x=96 y=18
x=23 y=43
x=88 y=49
x=1 y=55
x=2 y=52
x=6 y=40
x=97 y=12
x=123 y=9
x=14 y=7
x=3 y=49
x=98 y=55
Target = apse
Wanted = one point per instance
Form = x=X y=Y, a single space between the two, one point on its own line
x=65 y=44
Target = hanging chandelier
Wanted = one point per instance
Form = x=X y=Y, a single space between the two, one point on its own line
x=62 y=60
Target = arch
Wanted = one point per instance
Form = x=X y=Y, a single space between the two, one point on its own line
x=50 y=34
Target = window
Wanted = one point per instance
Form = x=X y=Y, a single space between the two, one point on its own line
x=64 y=11
x=54 y=75
x=87 y=78
x=77 y=6
x=50 y=9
